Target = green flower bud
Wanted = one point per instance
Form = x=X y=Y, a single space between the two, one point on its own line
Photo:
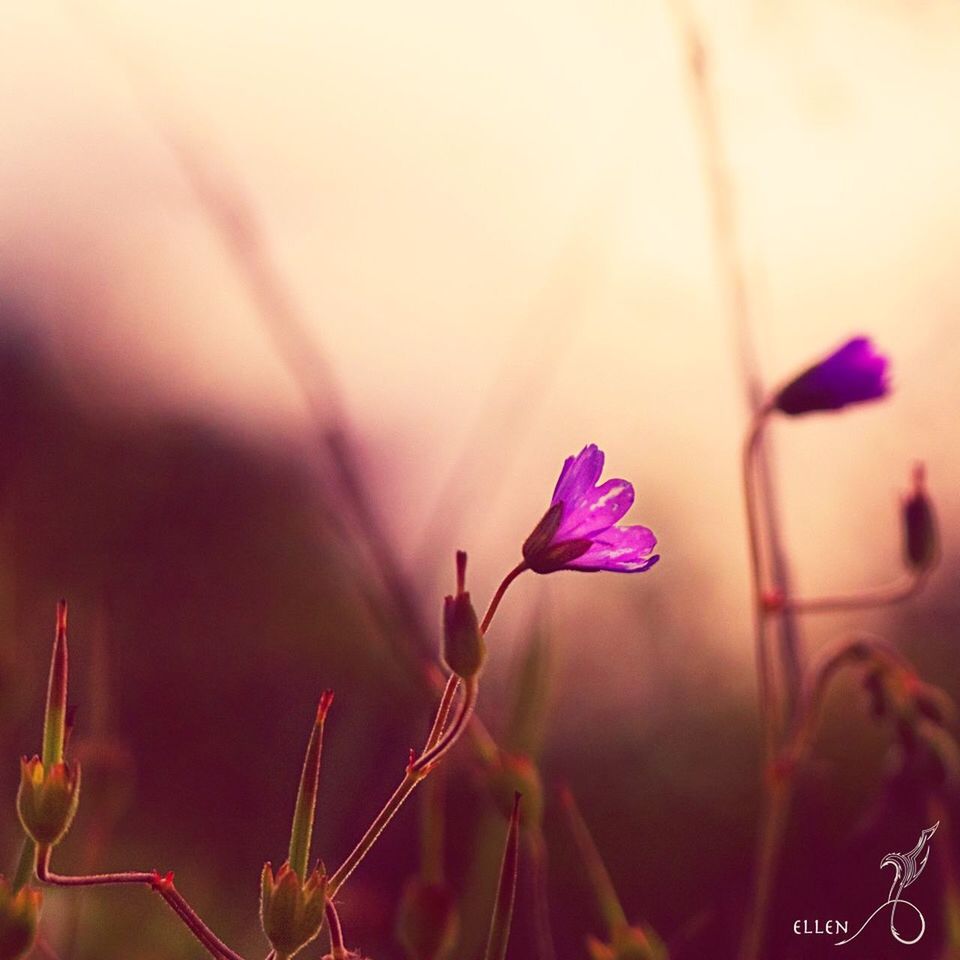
x=47 y=799
x=291 y=912
x=919 y=525
x=463 y=645
x=19 y=913
x=427 y=921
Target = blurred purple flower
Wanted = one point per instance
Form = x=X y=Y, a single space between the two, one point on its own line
x=578 y=532
x=852 y=374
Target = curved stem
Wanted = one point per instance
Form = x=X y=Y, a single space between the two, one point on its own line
x=443 y=745
x=416 y=770
x=886 y=595
x=439 y=742
x=337 y=950
x=498 y=596
x=163 y=885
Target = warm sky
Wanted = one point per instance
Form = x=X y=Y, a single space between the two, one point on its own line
x=495 y=213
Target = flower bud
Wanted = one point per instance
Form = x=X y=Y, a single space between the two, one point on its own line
x=427 y=920
x=47 y=800
x=854 y=373
x=464 y=648
x=919 y=525
x=291 y=912
x=19 y=913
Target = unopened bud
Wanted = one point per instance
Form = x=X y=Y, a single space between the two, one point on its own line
x=291 y=912
x=427 y=920
x=919 y=525
x=464 y=648
x=19 y=913
x=47 y=799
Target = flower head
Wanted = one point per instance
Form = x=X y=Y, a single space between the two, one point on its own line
x=578 y=532
x=854 y=373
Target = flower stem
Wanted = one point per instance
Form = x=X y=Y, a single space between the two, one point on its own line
x=337 y=950
x=765 y=678
x=417 y=769
x=498 y=596
x=439 y=742
x=162 y=884
x=886 y=595
x=772 y=830
x=597 y=874
x=26 y=864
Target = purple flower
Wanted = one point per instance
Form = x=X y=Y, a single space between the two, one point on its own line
x=578 y=532
x=852 y=374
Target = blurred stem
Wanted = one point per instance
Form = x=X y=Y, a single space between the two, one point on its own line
x=607 y=900
x=162 y=884
x=26 y=863
x=899 y=590
x=337 y=950
x=432 y=829
x=765 y=679
x=772 y=829
x=541 y=895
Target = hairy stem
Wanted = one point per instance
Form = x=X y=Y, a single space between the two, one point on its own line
x=162 y=884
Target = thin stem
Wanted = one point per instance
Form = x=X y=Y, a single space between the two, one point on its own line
x=443 y=710
x=452 y=735
x=406 y=787
x=597 y=873
x=162 y=884
x=498 y=596
x=439 y=742
x=546 y=948
x=416 y=770
x=337 y=950
x=772 y=830
x=891 y=593
x=26 y=863
x=765 y=678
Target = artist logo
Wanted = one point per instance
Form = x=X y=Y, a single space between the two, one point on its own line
x=907 y=867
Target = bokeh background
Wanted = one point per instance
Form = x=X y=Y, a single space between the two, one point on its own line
x=469 y=239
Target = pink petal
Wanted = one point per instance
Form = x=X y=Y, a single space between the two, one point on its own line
x=599 y=508
x=579 y=474
x=621 y=549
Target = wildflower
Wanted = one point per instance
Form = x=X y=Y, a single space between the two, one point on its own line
x=578 y=532
x=854 y=373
